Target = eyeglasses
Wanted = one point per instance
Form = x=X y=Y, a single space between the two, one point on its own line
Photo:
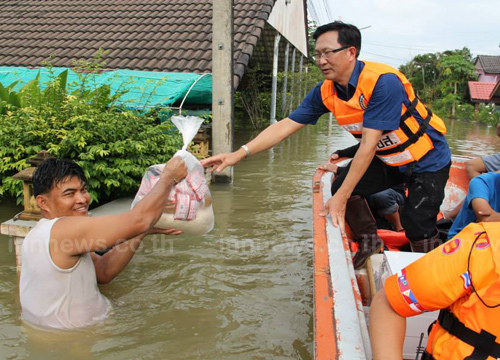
x=328 y=54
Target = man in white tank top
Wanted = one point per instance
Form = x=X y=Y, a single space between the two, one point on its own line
x=58 y=286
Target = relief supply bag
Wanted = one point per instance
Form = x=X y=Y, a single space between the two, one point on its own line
x=189 y=206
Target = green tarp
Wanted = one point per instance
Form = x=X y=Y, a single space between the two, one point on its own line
x=145 y=89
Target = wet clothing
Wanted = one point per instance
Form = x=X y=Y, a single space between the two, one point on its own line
x=485 y=186
x=442 y=279
x=491 y=162
x=57 y=298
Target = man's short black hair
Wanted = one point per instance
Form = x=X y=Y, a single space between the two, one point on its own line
x=52 y=172
x=349 y=35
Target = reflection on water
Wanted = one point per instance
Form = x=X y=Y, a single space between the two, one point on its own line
x=244 y=291
x=472 y=139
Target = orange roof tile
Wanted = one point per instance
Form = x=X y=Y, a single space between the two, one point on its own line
x=480 y=91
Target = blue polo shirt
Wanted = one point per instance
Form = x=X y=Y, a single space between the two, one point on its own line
x=383 y=113
x=485 y=186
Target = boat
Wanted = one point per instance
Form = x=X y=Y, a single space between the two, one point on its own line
x=342 y=295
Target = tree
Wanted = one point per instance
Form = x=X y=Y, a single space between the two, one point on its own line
x=423 y=74
x=456 y=69
x=311 y=28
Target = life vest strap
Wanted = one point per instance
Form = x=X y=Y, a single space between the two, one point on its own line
x=412 y=137
x=484 y=343
x=427 y=356
x=410 y=109
x=359 y=136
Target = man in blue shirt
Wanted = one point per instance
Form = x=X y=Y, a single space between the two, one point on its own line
x=337 y=50
x=482 y=203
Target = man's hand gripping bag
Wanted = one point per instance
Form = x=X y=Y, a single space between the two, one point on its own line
x=190 y=204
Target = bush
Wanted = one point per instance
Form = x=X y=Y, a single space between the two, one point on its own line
x=443 y=106
x=465 y=112
x=113 y=147
x=488 y=114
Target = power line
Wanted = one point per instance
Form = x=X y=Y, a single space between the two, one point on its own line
x=313 y=12
x=419 y=48
x=400 y=47
x=384 y=56
x=329 y=16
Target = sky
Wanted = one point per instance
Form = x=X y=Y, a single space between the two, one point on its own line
x=398 y=30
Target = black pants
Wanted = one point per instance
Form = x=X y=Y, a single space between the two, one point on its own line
x=425 y=194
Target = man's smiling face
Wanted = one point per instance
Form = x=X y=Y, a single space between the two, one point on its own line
x=67 y=198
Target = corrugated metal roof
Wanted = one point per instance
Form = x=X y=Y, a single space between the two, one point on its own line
x=151 y=35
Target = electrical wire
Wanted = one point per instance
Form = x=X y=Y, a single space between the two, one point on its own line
x=384 y=56
x=313 y=12
x=327 y=11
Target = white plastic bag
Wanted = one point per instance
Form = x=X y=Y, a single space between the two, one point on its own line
x=190 y=204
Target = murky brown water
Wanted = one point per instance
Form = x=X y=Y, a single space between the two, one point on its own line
x=244 y=291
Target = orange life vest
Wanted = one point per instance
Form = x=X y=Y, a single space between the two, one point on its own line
x=409 y=142
x=468 y=321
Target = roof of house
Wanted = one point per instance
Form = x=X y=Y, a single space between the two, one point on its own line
x=151 y=35
x=480 y=91
x=490 y=64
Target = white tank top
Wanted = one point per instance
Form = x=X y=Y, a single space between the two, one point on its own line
x=53 y=297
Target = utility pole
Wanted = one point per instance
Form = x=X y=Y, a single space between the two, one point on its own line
x=222 y=83
x=293 y=82
x=299 y=99
x=274 y=84
x=285 y=80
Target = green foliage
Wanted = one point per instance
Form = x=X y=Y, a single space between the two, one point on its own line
x=489 y=114
x=113 y=147
x=311 y=28
x=465 y=112
x=441 y=79
x=9 y=98
x=253 y=99
x=455 y=71
x=443 y=106
x=423 y=74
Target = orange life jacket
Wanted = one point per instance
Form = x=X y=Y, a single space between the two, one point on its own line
x=409 y=142
x=468 y=326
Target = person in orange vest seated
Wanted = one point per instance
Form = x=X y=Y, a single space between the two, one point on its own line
x=462 y=279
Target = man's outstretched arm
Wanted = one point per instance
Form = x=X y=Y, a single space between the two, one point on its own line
x=271 y=136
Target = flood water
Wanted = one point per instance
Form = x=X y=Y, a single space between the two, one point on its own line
x=244 y=291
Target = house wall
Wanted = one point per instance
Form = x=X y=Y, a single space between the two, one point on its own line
x=484 y=77
x=492 y=78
